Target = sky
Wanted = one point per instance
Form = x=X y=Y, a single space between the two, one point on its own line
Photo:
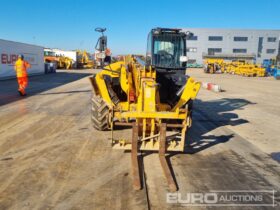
x=70 y=24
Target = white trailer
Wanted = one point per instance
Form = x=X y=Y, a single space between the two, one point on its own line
x=67 y=53
x=9 y=52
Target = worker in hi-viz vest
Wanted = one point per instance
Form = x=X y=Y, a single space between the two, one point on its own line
x=108 y=58
x=21 y=67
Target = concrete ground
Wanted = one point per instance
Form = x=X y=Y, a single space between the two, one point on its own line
x=52 y=158
x=253 y=99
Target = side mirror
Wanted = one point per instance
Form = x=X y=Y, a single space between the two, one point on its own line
x=183 y=59
x=189 y=34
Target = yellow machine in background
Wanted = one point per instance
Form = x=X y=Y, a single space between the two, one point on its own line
x=151 y=97
x=238 y=67
x=259 y=71
x=84 y=60
x=213 y=65
x=60 y=62
x=64 y=62
x=243 y=68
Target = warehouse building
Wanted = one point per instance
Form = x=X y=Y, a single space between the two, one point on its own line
x=232 y=44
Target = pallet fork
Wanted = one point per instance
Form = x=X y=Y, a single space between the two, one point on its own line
x=162 y=157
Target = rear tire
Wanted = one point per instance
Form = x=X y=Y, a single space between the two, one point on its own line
x=99 y=113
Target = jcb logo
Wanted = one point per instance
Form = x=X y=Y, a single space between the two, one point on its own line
x=8 y=58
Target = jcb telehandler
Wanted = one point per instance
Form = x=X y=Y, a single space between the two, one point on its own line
x=151 y=97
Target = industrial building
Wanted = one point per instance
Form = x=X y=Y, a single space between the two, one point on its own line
x=254 y=45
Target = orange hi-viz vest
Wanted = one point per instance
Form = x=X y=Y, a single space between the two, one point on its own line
x=21 y=67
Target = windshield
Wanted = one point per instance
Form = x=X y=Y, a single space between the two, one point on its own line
x=167 y=51
x=49 y=53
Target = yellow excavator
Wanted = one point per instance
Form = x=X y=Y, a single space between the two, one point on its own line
x=154 y=97
x=64 y=62
x=84 y=60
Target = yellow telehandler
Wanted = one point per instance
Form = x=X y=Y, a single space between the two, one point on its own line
x=152 y=97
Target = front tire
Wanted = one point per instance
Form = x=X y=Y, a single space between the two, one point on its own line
x=99 y=113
